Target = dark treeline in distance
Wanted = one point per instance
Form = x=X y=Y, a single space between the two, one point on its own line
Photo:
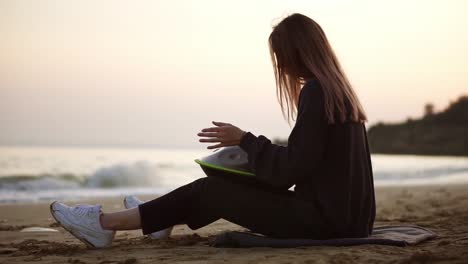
x=442 y=133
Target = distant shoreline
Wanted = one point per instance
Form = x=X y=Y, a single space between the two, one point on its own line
x=283 y=143
x=435 y=134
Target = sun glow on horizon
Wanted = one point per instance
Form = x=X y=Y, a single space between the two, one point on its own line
x=156 y=72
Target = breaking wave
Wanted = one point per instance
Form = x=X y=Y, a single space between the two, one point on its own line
x=138 y=174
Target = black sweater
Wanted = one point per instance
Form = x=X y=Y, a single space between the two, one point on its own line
x=329 y=164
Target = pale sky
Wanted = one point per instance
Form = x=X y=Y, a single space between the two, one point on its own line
x=154 y=73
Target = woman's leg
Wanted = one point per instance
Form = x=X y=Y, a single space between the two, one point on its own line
x=178 y=204
x=130 y=219
x=262 y=210
x=169 y=209
x=124 y=220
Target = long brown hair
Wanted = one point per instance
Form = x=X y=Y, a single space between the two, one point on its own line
x=300 y=52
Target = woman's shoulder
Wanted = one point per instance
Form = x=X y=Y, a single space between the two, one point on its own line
x=311 y=91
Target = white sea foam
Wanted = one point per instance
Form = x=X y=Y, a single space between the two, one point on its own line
x=138 y=174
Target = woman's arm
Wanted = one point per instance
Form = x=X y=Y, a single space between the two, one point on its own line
x=278 y=165
x=285 y=166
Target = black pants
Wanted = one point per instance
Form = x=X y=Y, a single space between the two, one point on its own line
x=258 y=207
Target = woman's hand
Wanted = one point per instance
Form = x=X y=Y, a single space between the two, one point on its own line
x=225 y=133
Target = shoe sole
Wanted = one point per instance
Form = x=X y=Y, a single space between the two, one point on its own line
x=82 y=239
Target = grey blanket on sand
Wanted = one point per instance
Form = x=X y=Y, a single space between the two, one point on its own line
x=382 y=235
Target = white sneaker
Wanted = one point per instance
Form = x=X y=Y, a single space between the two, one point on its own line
x=132 y=201
x=83 y=222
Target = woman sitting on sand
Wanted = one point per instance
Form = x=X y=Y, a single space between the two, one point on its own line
x=327 y=159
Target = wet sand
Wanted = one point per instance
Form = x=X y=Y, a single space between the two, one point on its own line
x=443 y=209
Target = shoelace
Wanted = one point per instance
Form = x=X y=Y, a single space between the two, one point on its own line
x=85 y=209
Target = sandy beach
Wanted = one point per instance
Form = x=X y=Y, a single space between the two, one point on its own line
x=443 y=209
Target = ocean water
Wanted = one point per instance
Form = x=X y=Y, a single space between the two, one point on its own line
x=32 y=174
